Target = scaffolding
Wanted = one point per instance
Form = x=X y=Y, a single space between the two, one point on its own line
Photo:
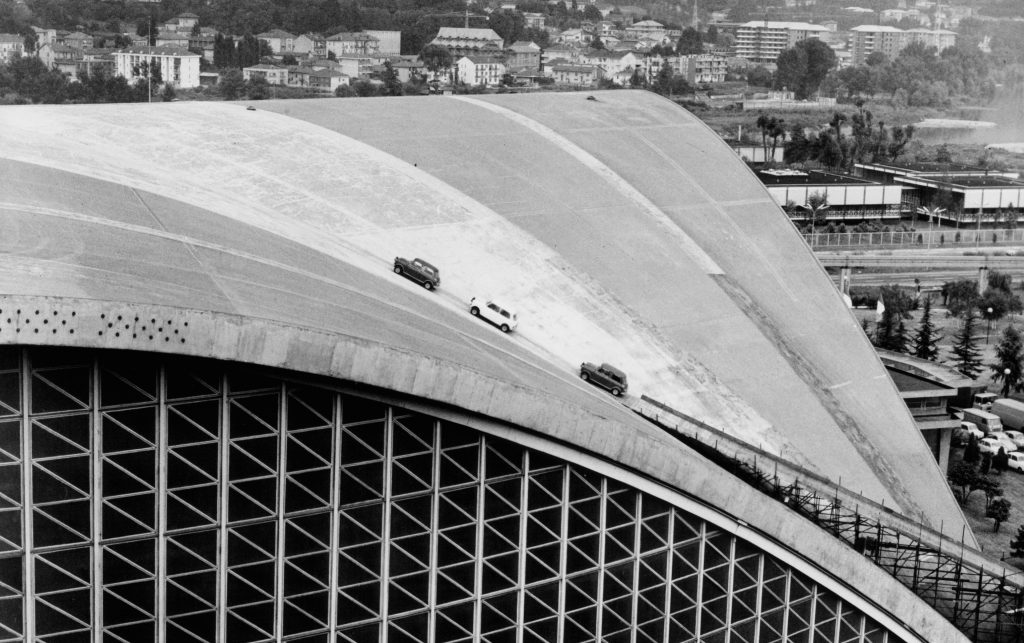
x=981 y=597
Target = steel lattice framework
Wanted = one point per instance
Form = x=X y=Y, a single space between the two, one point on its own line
x=146 y=498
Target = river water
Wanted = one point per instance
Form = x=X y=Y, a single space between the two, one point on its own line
x=1006 y=111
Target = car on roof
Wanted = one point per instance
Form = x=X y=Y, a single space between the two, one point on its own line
x=420 y=271
x=605 y=376
x=496 y=313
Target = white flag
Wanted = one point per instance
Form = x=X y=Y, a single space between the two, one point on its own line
x=879 y=310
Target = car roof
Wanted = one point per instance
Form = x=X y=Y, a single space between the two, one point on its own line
x=426 y=263
x=612 y=369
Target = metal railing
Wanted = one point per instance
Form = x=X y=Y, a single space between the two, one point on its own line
x=983 y=598
x=919 y=239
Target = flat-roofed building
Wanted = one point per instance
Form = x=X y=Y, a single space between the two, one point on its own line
x=929 y=390
x=963 y=193
x=848 y=198
x=762 y=41
x=703 y=68
x=178 y=67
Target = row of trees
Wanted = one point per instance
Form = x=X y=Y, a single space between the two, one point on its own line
x=963 y=302
x=831 y=146
x=27 y=80
x=918 y=76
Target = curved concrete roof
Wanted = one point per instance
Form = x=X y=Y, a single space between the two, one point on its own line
x=620 y=229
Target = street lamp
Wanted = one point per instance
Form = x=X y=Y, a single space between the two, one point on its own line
x=1006 y=382
x=988 y=316
x=931 y=212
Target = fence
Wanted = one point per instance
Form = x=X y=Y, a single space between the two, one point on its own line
x=981 y=597
x=918 y=239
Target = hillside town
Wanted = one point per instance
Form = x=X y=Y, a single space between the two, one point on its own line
x=501 y=45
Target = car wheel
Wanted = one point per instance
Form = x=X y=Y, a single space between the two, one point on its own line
x=428 y=285
x=398 y=270
x=474 y=311
x=504 y=328
x=616 y=392
x=586 y=378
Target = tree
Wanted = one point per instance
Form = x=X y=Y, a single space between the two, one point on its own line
x=925 y=338
x=999 y=511
x=592 y=13
x=972 y=452
x=961 y=478
x=711 y=35
x=392 y=86
x=663 y=81
x=231 y=84
x=759 y=76
x=1007 y=368
x=597 y=43
x=960 y=296
x=817 y=205
x=1000 y=461
x=1017 y=544
x=965 y=348
x=803 y=67
x=899 y=338
x=436 y=57
x=690 y=42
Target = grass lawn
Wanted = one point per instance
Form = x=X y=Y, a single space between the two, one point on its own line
x=996 y=544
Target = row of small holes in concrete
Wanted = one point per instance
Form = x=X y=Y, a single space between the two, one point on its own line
x=45 y=321
x=128 y=326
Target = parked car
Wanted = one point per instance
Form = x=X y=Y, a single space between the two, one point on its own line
x=1016 y=437
x=605 y=376
x=972 y=429
x=992 y=444
x=420 y=271
x=498 y=314
x=1015 y=461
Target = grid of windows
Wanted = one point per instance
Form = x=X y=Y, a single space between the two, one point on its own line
x=189 y=500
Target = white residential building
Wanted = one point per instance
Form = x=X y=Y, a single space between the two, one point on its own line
x=346 y=43
x=868 y=39
x=469 y=42
x=12 y=46
x=273 y=74
x=178 y=67
x=480 y=70
x=278 y=40
x=703 y=68
x=762 y=41
x=389 y=43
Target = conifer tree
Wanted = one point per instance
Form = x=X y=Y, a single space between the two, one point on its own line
x=925 y=337
x=1017 y=544
x=899 y=338
x=1007 y=367
x=965 y=348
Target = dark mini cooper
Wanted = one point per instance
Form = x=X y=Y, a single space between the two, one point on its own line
x=605 y=376
x=420 y=271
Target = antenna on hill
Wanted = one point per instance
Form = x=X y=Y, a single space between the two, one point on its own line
x=467 y=14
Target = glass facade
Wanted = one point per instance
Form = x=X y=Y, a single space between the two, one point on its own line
x=145 y=498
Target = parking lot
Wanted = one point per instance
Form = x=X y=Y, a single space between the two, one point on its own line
x=996 y=545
